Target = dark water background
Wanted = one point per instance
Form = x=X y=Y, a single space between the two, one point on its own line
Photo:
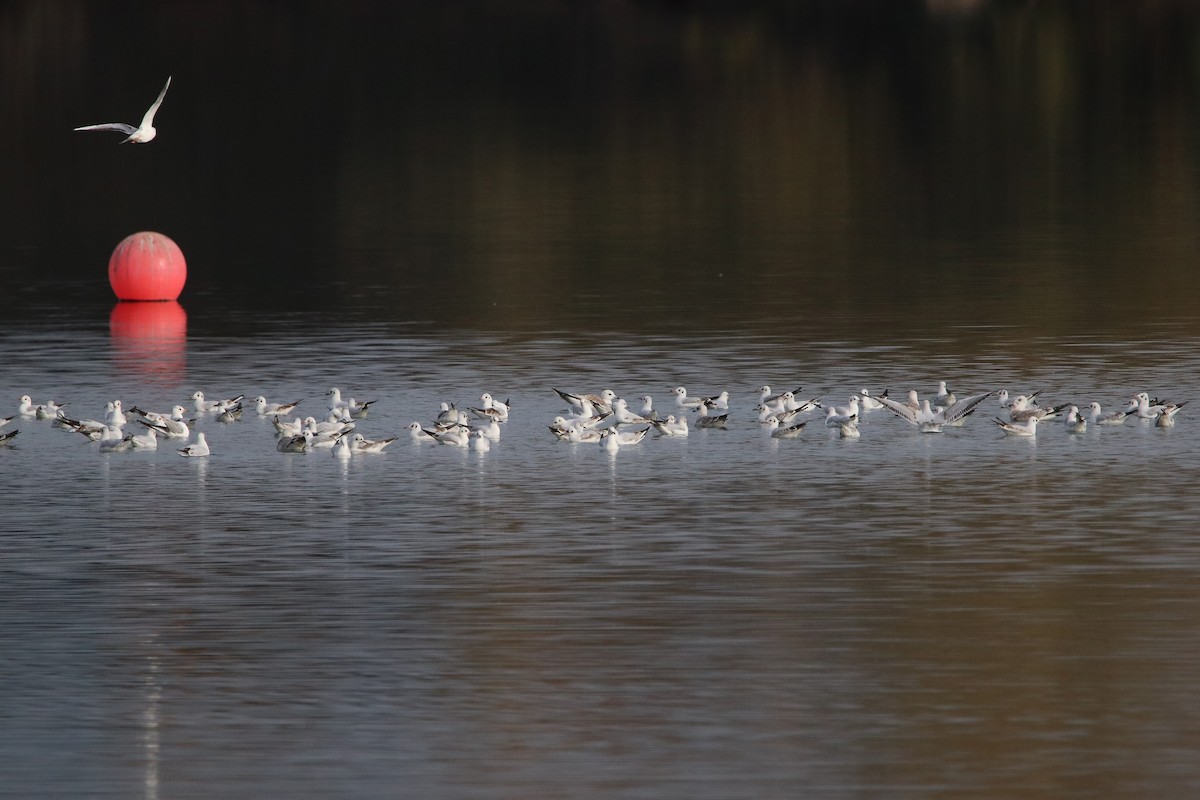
x=1009 y=163
x=419 y=202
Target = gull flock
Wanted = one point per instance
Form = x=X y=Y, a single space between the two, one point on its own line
x=603 y=418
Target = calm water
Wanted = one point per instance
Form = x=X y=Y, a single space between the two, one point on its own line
x=422 y=202
x=905 y=614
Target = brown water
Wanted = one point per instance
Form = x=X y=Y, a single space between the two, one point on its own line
x=419 y=205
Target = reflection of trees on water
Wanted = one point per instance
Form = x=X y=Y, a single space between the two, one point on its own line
x=787 y=159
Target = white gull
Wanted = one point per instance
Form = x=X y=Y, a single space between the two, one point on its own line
x=1100 y=418
x=362 y=444
x=341 y=448
x=1166 y=414
x=144 y=132
x=671 y=426
x=197 y=449
x=928 y=420
x=266 y=409
x=776 y=431
x=1026 y=428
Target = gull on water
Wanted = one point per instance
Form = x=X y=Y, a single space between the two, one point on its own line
x=944 y=397
x=341 y=448
x=781 y=402
x=90 y=428
x=114 y=415
x=144 y=441
x=622 y=414
x=358 y=409
x=849 y=429
x=490 y=431
x=834 y=419
x=788 y=403
x=592 y=421
x=333 y=423
x=784 y=418
x=836 y=415
x=229 y=413
x=7 y=438
x=1023 y=408
x=479 y=442
x=1026 y=428
x=683 y=401
x=705 y=420
x=647 y=409
x=300 y=443
x=491 y=402
x=448 y=414
x=1142 y=407
x=200 y=404
x=492 y=408
x=114 y=441
x=48 y=410
x=266 y=409
x=350 y=406
x=612 y=438
x=456 y=436
x=142 y=133
x=776 y=431
x=362 y=444
x=1074 y=421
x=628 y=438
x=560 y=427
x=588 y=404
x=928 y=420
x=173 y=426
x=766 y=397
x=867 y=402
x=491 y=414
x=671 y=426
x=1006 y=401
x=569 y=429
x=420 y=434
x=61 y=421
x=1166 y=414
x=285 y=428
x=197 y=449
x=1113 y=418
x=587 y=435
x=326 y=438
x=335 y=399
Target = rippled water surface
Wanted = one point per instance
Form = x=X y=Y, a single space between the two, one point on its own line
x=421 y=202
x=717 y=616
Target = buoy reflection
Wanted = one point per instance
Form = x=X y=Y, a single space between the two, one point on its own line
x=150 y=339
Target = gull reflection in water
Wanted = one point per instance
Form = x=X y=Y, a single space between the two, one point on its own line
x=151 y=736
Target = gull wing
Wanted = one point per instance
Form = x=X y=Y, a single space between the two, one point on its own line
x=571 y=399
x=899 y=409
x=148 y=120
x=964 y=407
x=109 y=126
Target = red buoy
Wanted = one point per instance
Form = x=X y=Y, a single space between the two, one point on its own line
x=147 y=266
